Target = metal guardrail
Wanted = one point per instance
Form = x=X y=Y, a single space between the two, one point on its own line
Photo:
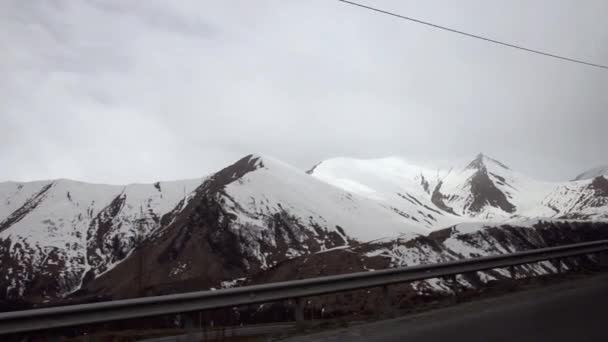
x=73 y=315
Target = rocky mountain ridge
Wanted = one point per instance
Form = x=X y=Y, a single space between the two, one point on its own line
x=63 y=238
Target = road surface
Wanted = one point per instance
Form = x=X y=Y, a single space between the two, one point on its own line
x=575 y=310
x=229 y=334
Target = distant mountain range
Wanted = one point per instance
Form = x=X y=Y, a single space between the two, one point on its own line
x=593 y=173
x=260 y=219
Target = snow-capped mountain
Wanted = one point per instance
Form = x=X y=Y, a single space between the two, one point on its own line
x=246 y=219
x=482 y=190
x=60 y=238
x=53 y=232
x=397 y=185
x=582 y=200
x=593 y=173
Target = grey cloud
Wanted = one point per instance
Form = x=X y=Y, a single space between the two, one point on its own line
x=158 y=16
x=125 y=91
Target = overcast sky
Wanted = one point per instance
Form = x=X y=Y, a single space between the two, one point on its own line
x=136 y=91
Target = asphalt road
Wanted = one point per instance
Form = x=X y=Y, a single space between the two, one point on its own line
x=229 y=334
x=575 y=310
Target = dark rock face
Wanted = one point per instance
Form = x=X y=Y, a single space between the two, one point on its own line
x=484 y=192
x=97 y=236
x=438 y=199
x=425 y=184
x=312 y=169
x=594 y=195
x=22 y=280
x=600 y=186
x=28 y=206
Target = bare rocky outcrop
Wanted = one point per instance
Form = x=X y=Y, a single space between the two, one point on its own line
x=27 y=207
x=485 y=193
x=438 y=199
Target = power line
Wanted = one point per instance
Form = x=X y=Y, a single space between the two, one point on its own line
x=472 y=35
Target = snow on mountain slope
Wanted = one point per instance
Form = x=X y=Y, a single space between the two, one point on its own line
x=60 y=236
x=373 y=177
x=68 y=207
x=248 y=218
x=13 y=195
x=583 y=200
x=483 y=189
x=276 y=186
x=396 y=184
x=53 y=228
x=488 y=189
x=593 y=173
x=462 y=241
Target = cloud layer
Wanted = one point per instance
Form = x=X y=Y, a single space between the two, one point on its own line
x=135 y=91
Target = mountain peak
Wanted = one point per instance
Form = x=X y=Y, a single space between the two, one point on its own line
x=233 y=172
x=593 y=173
x=481 y=161
x=478 y=162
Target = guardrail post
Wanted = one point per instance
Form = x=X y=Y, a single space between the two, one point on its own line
x=453 y=282
x=603 y=259
x=512 y=271
x=189 y=327
x=299 y=311
x=387 y=309
x=57 y=338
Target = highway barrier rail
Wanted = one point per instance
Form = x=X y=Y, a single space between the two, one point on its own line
x=73 y=315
